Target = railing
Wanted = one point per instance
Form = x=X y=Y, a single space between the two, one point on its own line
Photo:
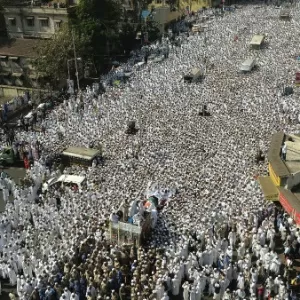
x=36 y=4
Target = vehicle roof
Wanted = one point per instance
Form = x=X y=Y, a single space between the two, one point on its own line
x=285 y=12
x=257 y=39
x=71 y=179
x=248 y=62
x=81 y=152
x=195 y=71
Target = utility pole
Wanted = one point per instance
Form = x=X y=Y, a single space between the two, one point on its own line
x=75 y=58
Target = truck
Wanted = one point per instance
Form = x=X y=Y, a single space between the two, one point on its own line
x=193 y=75
x=135 y=233
x=8 y=157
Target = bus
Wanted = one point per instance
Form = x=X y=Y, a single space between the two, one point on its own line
x=81 y=156
x=285 y=14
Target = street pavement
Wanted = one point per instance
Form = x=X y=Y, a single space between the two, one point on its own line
x=16 y=174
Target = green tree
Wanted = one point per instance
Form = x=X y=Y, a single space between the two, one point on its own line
x=99 y=20
x=53 y=54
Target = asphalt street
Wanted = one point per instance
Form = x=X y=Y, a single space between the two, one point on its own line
x=16 y=174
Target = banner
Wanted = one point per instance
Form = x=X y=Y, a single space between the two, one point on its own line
x=285 y=204
x=274 y=177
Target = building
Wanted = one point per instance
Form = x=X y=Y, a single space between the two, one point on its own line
x=35 y=19
x=16 y=67
x=28 y=23
x=283 y=182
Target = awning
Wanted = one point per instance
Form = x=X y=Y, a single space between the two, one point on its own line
x=43 y=19
x=269 y=189
x=3 y=57
x=29 y=18
x=17 y=74
x=10 y=19
x=57 y=21
x=33 y=76
x=13 y=57
x=19 y=82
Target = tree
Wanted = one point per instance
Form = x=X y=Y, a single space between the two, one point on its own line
x=99 y=19
x=53 y=54
x=139 y=6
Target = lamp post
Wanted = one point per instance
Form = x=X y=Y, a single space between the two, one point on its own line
x=75 y=58
x=76 y=68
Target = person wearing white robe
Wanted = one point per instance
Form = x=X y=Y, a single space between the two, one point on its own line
x=241 y=281
x=241 y=250
x=12 y=276
x=67 y=293
x=74 y=296
x=275 y=265
x=186 y=288
x=5 y=193
x=232 y=238
x=175 y=286
x=165 y=296
x=227 y=295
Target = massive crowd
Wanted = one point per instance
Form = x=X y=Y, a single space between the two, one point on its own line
x=216 y=236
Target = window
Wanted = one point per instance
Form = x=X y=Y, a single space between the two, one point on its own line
x=12 y=21
x=30 y=21
x=57 y=24
x=44 y=22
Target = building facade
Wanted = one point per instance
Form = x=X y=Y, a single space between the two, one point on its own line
x=16 y=67
x=28 y=23
x=35 y=20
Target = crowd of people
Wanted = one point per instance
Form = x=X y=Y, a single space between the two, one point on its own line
x=216 y=237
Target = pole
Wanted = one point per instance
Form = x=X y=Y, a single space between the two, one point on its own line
x=68 y=69
x=75 y=57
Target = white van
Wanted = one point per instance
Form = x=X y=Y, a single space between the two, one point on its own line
x=194 y=75
x=247 y=65
x=69 y=180
x=197 y=28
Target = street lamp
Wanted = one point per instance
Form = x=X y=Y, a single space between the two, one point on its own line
x=76 y=73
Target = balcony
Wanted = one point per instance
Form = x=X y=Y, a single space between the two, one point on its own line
x=55 y=4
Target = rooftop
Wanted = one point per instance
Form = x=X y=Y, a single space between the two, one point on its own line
x=35 y=3
x=19 y=47
x=257 y=39
x=293 y=153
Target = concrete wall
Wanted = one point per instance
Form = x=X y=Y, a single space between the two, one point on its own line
x=163 y=15
x=13 y=91
x=22 y=29
x=293 y=180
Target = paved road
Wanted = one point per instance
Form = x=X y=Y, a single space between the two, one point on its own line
x=6 y=289
x=16 y=174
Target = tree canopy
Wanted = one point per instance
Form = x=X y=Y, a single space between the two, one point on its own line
x=99 y=20
x=53 y=55
x=101 y=30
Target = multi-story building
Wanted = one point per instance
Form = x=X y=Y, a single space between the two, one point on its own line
x=35 y=19
x=27 y=23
